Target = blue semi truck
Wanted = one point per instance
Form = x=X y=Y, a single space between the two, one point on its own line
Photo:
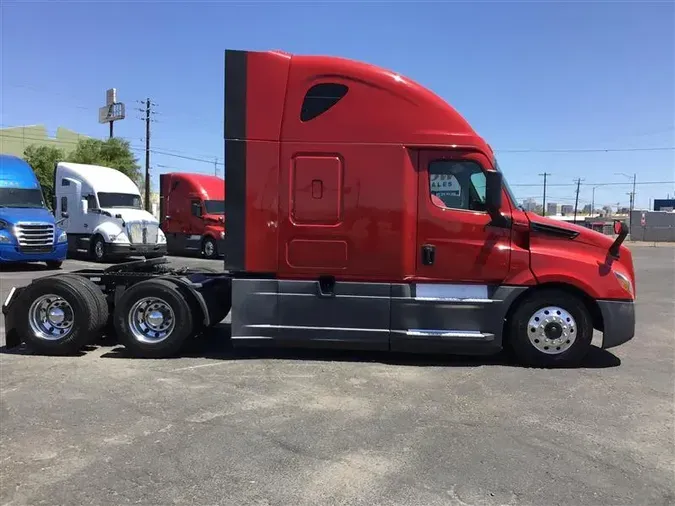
x=28 y=230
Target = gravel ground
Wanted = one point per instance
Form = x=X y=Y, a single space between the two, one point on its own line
x=308 y=428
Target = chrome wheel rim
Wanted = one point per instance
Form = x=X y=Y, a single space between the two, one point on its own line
x=209 y=248
x=552 y=330
x=51 y=317
x=151 y=320
x=98 y=249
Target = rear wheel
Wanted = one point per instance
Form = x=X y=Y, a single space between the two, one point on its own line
x=550 y=328
x=209 y=248
x=102 y=310
x=153 y=319
x=54 y=316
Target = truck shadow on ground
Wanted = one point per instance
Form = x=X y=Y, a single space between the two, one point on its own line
x=216 y=345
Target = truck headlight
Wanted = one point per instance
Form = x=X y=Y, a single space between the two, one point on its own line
x=5 y=238
x=161 y=238
x=624 y=282
x=63 y=237
x=119 y=238
x=222 y=235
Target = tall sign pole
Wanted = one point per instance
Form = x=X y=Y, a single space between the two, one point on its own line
x=112 y=110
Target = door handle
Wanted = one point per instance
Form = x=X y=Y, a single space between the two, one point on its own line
x=428 y=254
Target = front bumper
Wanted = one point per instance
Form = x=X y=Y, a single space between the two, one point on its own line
x=129 y=250
x=618 y=320
x=11 y=253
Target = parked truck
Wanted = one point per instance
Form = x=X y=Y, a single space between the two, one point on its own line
x=103 y=214
x=28 y=230
x=192 y=213
x=336 y=237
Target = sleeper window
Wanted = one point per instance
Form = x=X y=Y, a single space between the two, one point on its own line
x=457 y=184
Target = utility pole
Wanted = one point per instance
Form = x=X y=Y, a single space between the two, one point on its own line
x=147 y=155
x=215 y=166
x=632 y=198
x=576 y=200
x=543 y=206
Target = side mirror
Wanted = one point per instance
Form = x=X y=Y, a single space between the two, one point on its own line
x=64 y=215
x=84 y=205
x=620 y=228
x=493 y=192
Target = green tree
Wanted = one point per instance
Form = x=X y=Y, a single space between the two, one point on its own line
x=43 y=159
x=114 y=153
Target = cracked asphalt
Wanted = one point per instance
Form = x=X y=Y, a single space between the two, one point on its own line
x=268 y=427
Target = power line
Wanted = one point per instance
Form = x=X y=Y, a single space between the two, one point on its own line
x=592 y=184
x=586 y=150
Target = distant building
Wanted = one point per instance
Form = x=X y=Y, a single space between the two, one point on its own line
x=587 y=209
x=551 y=208
x=566 y=209
x=14 y=140
x=530 y=204
x=664 y=204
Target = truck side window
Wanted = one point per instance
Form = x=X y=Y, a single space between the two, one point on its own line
x=65 y=182
x=196 y=208
x=64 y=204
x=320 y=98
x=457 y=184
x=91 y=202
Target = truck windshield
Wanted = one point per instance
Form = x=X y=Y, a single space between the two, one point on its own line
x=119 y=200
x=214 y=206
x=509 y=192
x=21 y=197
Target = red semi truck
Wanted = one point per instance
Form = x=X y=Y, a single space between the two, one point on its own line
x=363 y=212
x=191 y=208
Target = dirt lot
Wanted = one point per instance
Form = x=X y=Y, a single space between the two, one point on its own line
x=216 y=427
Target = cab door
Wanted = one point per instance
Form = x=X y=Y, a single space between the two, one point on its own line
x=456 y=240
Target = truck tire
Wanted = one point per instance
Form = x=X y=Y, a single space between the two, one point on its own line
x=102 y=309
x=98 y=249
x=55 y=316
x=54 y=264
x=209 y=248
x=550 y=328
x=153 y=319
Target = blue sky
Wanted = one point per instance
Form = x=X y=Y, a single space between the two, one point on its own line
x=527 y=75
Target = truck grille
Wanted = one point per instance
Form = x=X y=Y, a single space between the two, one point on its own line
x=142 y=232
x=34 y=237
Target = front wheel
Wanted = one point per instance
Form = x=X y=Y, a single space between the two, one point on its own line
x=98 y=249
x=209 y=248
x=550 y=328
x=54 y=264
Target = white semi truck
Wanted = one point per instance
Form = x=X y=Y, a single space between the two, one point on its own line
x=103 y=214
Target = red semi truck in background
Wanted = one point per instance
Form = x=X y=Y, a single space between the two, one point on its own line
x=191 y=208
x=363 y=212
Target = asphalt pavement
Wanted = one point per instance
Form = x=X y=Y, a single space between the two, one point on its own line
x=306 y=428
